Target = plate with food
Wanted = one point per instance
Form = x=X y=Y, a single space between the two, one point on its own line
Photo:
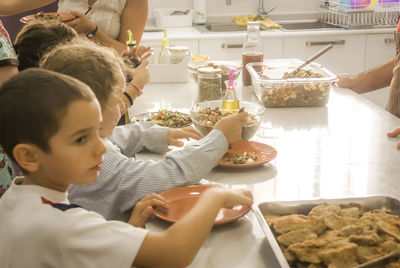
x=246 y=154
x=165 y=118
x=182 y=199
x=49 y=16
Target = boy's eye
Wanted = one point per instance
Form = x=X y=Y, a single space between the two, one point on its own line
x=81 y=140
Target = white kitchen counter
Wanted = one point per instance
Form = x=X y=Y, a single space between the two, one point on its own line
x=190 y=33
x=333 y=151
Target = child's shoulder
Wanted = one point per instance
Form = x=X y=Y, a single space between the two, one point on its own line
x=62 y=229
x=7 y=53
x=6 y=172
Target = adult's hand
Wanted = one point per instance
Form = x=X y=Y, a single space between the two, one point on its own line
x=81 y=23
x=395 y=133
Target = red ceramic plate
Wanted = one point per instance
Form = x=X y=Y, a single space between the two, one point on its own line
x=264 y=152
x=64 y=16
x=182 y=199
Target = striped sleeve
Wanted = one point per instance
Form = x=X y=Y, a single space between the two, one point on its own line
x=123 y=181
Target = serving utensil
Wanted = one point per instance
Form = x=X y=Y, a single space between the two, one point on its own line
x=313 y=57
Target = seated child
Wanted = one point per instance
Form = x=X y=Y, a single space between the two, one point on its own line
x=56 y=145
x=123 y=180
x=38 y=37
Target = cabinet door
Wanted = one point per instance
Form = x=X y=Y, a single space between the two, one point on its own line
x=379 y=49
x=231 y=48
x=346 y=56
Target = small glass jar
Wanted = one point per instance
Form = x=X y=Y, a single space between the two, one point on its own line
x=209 y=84
x=178 y=54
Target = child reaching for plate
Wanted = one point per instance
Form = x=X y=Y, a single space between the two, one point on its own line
x=123 y=180
x=59 y=144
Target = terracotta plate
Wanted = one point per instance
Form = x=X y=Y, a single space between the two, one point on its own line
x=182 y=199
x=147 y=117
x=264 y=152
x=64 y=16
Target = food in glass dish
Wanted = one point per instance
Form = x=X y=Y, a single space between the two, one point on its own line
x=297 y=93
x=165 y=118
x=245 y=158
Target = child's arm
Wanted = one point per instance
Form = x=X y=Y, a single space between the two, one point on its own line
x=179 y=244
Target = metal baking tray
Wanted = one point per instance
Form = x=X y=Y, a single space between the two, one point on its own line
x=305 y=206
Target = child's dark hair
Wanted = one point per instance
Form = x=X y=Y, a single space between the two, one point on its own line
x=39 y=37
x=32 y=103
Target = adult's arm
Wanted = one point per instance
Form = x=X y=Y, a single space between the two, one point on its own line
x=11 y=7
x=373 y=79
x=134 y=17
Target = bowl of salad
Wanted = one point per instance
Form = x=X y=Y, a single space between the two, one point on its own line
x=165 y=118
x=276 y=83
x=206 y=114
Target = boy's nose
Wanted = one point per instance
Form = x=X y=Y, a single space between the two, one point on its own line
x=100 y=146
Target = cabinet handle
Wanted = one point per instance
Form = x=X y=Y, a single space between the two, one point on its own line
x=325 y=43
x=389 y=40
x=232 y=45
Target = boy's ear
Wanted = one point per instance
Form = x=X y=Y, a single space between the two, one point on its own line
x=26 y=156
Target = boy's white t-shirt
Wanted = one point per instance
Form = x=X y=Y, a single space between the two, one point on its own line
x=40 y=228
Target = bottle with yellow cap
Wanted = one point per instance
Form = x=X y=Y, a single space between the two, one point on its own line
x=131 y=46
x=165 y=54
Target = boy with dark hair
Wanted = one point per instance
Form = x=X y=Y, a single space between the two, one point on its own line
x=51 y=129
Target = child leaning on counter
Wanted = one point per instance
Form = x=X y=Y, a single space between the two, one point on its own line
x=123 y=180
x=59 y=144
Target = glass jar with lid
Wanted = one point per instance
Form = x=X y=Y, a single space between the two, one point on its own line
x=178 y=54
x=209 y=83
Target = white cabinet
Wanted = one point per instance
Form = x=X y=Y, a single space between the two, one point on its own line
x=221 y=48
x=231 y=48
x=346 y=56
x=379 y=49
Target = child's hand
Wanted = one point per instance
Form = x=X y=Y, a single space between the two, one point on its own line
x=174 y=134
x=144 y=208
x=143 y=52
x=394 y=134
x=234 y=197
x=81 y=23
x=231 y=126
x=140 y=75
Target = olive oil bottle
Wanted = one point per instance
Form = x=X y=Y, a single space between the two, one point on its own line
x=230 y=102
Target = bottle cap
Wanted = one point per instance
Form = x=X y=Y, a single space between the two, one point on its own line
x=130 y=41
x=164 y=41
x=231 y=78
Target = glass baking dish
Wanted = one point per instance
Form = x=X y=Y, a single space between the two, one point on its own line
x=274 y=86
